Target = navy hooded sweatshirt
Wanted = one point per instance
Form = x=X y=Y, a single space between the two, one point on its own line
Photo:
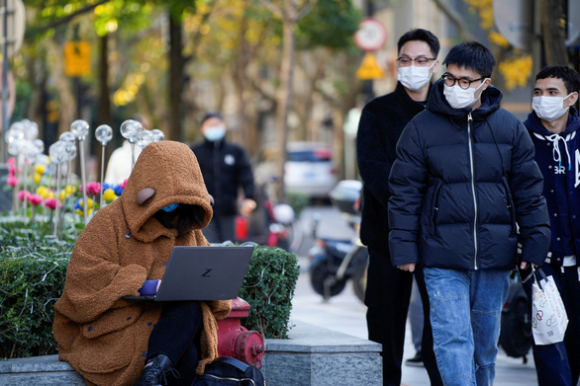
x=558 y=156
x=463 y=183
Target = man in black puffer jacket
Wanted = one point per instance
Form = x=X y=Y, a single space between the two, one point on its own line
x=464 y=181
x=388 y=288
x=225 y=168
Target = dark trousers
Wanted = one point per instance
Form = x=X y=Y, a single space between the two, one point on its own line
x=177 y=335
x=220 y=229
x=387 y=297
x=559 y=364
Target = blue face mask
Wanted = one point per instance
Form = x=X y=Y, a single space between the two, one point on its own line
x=170 y=207
x=214 y=133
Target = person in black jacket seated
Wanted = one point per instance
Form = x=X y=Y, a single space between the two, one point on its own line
x=464 y=183
x=225 y=168
x=382 y=121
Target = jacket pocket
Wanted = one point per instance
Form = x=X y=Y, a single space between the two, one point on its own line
x=510 y=206
x=435 y=204
x=111 y=321
x=108 y=353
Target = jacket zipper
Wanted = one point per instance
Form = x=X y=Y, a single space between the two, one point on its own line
x=469 y=120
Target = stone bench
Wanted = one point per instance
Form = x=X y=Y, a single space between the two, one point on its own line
x=312 y=356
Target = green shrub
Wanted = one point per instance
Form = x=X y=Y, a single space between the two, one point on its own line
x=269 y=288
x=33 y=269
x=32 y=273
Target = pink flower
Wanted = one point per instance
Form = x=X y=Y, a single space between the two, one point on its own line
x=24 y=194
x=10 y=161
x=123 y=184
x=13 y=181
x=35 y=199
x=51 y=203
x=93 y=188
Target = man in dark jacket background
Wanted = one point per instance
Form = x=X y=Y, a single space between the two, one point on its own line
x=464 y=180
x=382 y=121
x=225 y=168
x=554 y=127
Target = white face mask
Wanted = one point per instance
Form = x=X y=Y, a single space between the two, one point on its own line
x=549 y=108
x=459 y=98
x=414 y=78
x=214 y=133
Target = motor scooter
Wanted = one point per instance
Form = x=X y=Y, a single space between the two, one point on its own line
x=334 y=261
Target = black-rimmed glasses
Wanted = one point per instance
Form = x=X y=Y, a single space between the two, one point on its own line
x=420 y=61
x=464 y=83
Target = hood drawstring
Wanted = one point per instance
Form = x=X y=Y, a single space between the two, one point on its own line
x=555 y=139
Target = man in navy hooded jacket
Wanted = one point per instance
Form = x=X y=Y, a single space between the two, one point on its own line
x=463 y=182
x=554 y=127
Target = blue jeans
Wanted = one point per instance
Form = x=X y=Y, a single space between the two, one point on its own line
x=465 y=316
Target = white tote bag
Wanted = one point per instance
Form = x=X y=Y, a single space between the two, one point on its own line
x=549 y=318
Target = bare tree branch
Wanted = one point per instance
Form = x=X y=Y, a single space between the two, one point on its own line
x=197 y=35
x=275 y=10
x=265 y=94
x=65 y=19
x=306 y=9
x=455 y=18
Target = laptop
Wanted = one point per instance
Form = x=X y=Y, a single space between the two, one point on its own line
x=202 y=273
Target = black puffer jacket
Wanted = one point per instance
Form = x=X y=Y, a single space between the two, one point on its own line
x=225 y=168
x=462 y=184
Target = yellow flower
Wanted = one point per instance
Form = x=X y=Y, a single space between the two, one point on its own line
x=43 y=192
x=69 y=190
x=90 y=208
x=39 y=168
x=109 y=195
x=50 y=194
x=37 y=178
x=62 y=195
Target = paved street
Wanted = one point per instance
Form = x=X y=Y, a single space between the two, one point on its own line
x=345 y=313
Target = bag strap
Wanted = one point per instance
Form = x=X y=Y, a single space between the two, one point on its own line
x=542 y=274
x=243 y=367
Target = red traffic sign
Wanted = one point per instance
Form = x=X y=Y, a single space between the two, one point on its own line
x=371 y=35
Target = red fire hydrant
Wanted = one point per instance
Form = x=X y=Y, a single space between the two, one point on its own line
x=234 y=340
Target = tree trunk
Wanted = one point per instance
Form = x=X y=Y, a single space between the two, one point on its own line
x=175 y=77
x=244 y=132
x=553 y=30
x=285 y=92
x=104 y=115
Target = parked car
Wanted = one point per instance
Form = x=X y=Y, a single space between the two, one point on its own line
x=309 y=169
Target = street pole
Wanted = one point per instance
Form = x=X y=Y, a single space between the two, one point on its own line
x=367 y=88
x=5 y=70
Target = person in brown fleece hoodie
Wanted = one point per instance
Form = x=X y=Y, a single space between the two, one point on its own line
x=108 y=339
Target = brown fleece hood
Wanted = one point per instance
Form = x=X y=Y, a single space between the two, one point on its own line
x=177 y=179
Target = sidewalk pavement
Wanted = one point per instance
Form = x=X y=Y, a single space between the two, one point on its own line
x=345 y=313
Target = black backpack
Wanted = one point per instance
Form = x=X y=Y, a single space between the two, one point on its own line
x=516 y=321
x=230 y=371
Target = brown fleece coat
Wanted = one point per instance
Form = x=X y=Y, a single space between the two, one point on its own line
x=103 y=336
